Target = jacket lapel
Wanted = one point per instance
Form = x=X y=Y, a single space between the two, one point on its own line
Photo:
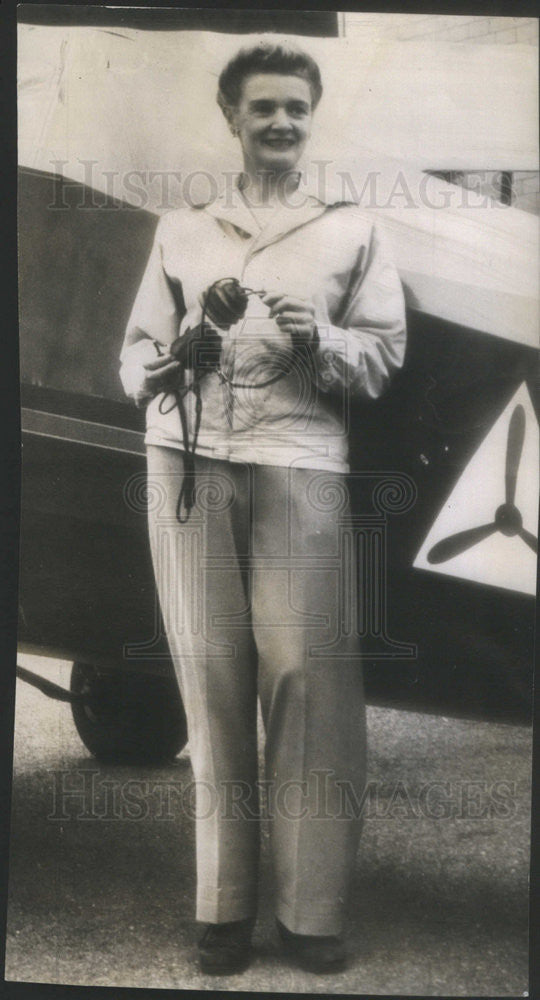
x=287 y=219
x=230 y=207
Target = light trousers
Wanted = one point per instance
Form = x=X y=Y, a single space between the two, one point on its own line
x=254 y=599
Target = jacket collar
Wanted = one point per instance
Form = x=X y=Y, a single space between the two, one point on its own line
x=313 y=195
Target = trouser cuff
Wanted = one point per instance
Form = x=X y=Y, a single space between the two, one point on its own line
x=313 y=919
x=219 y=906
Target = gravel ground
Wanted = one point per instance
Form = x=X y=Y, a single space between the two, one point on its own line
x=102 y=890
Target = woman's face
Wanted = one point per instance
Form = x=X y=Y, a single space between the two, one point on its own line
x=273 y=121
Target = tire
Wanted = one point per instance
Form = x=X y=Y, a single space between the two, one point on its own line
x=128 y=717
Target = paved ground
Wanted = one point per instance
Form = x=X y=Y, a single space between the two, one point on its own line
x=440 y=890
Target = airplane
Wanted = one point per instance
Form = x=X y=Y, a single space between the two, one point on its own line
x=444 y=476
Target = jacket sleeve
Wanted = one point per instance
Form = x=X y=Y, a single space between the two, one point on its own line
x=369 y=344
x=153 y=323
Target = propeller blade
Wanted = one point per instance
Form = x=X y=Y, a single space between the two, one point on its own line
x=454 y=545
x=532 y=542
x=514 y=447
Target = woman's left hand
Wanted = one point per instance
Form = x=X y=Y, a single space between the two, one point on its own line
x=294 y=316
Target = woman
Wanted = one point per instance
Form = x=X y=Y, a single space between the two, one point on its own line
x=246 y=462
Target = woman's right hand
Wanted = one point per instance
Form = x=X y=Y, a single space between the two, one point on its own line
x=157 y=375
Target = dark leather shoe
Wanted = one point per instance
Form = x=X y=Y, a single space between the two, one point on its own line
x=226 y=948
x=314 y=953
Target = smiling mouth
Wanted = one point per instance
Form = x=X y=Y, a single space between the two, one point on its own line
x=279 y=143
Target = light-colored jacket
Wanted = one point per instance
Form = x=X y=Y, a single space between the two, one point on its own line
x=329 y=251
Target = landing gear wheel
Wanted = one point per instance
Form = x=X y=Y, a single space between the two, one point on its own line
x=128 y=717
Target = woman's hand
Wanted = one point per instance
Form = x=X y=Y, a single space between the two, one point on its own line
x=159 y=375
x=294 y=316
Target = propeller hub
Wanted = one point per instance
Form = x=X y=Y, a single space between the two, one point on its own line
x=508 y=519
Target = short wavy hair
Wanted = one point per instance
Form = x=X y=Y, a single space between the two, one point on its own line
x=267 y=57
